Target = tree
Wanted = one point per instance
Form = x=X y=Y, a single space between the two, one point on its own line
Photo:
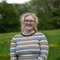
x=10 y=20
x=23 y=8
x=46 y=5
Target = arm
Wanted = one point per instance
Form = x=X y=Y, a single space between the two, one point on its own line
x=43 y=48
x=13 y=50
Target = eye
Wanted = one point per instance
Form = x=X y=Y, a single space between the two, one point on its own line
x=29 y=20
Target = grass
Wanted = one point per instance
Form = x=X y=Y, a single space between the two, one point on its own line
x=53 y=37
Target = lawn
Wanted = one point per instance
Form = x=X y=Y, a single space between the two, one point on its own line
x=53 y=37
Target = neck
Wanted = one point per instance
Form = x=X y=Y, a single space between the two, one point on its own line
x=28 y=32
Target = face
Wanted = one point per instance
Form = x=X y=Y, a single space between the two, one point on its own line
x=29 y=23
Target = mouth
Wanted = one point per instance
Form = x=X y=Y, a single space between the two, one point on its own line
x=28 y=25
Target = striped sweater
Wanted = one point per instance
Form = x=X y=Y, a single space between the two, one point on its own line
x=29 y=47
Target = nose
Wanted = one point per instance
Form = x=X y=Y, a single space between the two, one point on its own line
x=29 y=22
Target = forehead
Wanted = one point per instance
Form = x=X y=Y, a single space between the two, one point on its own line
x=30 y=17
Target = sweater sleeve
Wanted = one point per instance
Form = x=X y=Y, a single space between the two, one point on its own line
x=13 y=55
x=43 y=44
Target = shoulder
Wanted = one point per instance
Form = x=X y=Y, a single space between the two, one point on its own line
x=16 y=36
x=40 y=34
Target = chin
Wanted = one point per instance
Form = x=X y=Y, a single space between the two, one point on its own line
x=29 y=28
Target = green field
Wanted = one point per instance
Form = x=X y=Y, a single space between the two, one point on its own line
x=53 y=37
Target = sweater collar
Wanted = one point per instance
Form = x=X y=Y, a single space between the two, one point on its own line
x=28 y=35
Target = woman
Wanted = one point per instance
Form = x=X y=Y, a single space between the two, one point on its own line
x=30 y=44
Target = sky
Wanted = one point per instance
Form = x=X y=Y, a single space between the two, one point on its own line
x=16 y=1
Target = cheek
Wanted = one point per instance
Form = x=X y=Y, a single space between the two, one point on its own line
x=34 y=24
x=23 y=23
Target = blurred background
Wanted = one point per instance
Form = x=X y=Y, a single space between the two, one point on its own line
x=48 y=13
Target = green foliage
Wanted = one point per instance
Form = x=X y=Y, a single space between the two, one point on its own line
x=55 y=12
x=55 y=17
x=46 y=5
x=49 y=21
x=23 y=8
x=53 y=38
x=10 y=18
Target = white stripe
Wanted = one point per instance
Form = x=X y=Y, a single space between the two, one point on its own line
x=36 y=36
x=44 y=46
x=12 y=53
x=14 y=38
x=44 y=51
x=43 y=41
x=30 y=55
x=13 y=43
x=12 y=48
x=28 y=45
x=28 y=50
x=28 y=41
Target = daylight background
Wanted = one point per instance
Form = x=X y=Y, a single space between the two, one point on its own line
x=48 y=13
